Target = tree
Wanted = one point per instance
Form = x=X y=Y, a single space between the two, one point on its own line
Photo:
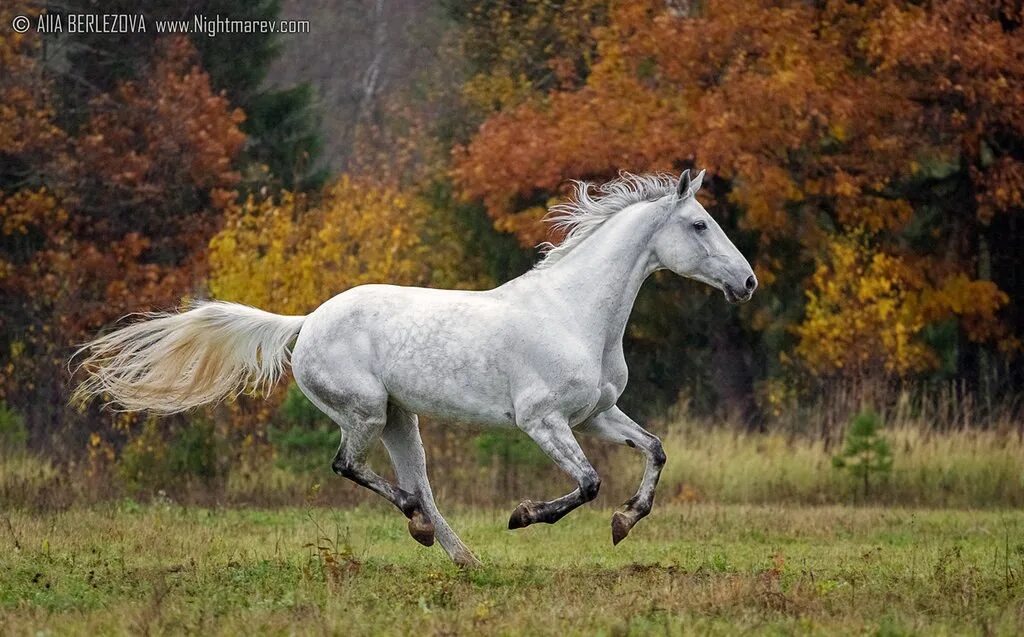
x=867 y=311
x=289 y=255
x=282 y=127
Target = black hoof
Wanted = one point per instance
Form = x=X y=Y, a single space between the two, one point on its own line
x=421 y=529
x=622 y=523
x=522 y=516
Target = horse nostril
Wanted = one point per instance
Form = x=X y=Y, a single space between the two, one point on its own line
x=750 y=283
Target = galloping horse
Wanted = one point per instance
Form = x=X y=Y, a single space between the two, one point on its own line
x=542 y=353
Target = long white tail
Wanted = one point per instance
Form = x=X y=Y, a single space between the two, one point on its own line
x=176 y=361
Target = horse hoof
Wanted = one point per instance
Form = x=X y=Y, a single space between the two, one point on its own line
x=522 y=516
x=421 y=529
x=621 y=526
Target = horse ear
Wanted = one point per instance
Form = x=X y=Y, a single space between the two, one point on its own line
x=697 y=182
x=684 y=184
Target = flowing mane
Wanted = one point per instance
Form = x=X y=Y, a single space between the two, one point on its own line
x=583 y=214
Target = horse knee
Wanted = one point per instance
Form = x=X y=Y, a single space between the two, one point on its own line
x=590 y=485
x=658 y=456
x=343 y=468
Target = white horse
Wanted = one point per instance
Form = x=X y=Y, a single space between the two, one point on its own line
x=542 y=353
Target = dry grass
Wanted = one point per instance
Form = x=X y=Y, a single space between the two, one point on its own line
x=965 y=468
x=961 y=468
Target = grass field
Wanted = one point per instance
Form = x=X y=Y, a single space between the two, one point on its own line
x=703 y=568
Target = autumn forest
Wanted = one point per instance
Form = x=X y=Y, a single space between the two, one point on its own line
x=867 y=156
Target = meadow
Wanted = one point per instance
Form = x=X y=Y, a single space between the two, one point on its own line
x=753 y=533
x=125 y=568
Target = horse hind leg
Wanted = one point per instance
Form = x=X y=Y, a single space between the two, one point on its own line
x=401 y=437
x=362 y=418
x=350 y=463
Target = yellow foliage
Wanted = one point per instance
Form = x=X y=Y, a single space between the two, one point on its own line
x=976 y=301
x=859 y=316
x=495 y=92
x=291 y=255
x=27 y=209
x=866 y=310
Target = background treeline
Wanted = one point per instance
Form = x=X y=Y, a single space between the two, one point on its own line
x=867 y=156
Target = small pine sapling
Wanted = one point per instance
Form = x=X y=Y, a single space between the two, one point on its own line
x=866 y=452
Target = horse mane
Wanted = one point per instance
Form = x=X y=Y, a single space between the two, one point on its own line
x=583 y=213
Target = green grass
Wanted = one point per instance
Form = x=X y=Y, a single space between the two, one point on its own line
x=701 y=568
x=751 y=534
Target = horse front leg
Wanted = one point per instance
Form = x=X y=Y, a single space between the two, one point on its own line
x=554 y=436
x=617 y=427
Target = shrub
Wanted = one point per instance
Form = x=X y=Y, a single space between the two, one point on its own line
x=195 y=451
x=306 y=439
x=304 y=449
x=297 y=411
x=509 y=447
x=13 y=433
x=155 y=460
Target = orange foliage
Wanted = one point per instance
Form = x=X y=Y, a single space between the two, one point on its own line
x=168 y=129
x=962 y=61
x=26 y=115
x=812 y=117
x=155 y=155
x=111 y=220
x=741 y=89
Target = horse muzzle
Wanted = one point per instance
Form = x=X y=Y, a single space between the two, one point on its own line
x=742 y=293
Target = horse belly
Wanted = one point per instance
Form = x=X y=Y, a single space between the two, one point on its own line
x=473 y=394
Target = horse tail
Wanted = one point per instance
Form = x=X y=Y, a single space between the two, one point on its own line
x=175 y=361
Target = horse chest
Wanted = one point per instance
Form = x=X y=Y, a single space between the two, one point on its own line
x=613 y=382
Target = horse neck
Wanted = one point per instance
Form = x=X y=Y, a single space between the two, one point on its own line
x=600 y=278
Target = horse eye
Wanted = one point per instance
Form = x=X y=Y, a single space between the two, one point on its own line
x=700 y=226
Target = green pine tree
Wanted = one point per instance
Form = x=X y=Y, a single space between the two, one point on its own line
x=866 y=452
